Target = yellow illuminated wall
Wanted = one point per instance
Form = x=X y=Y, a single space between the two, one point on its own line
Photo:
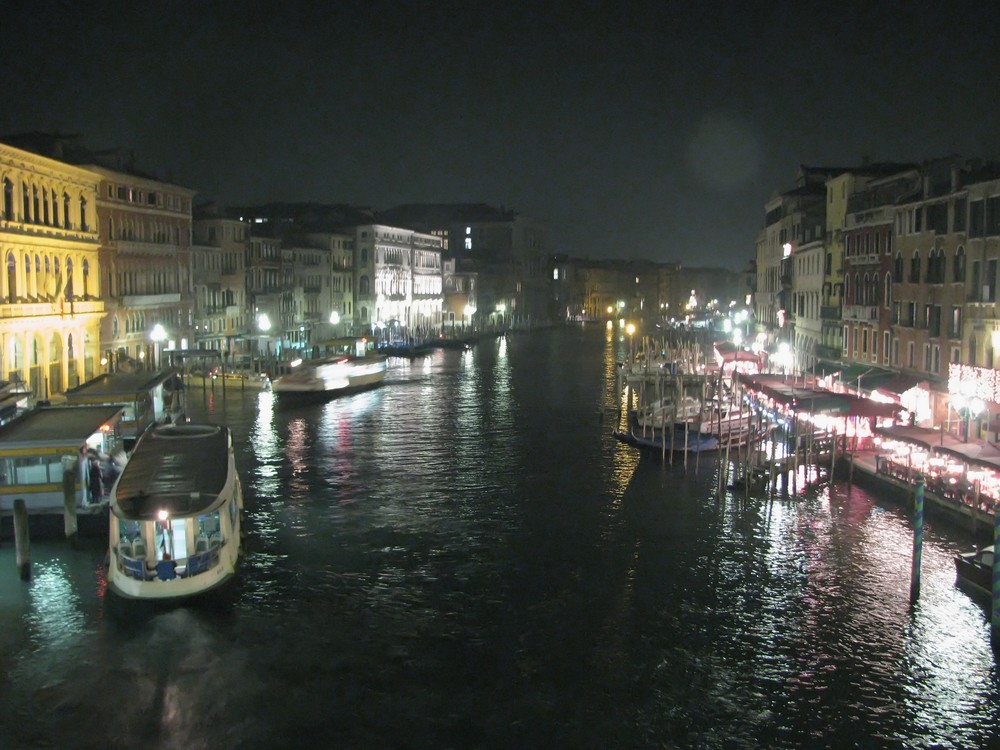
x=50 y=300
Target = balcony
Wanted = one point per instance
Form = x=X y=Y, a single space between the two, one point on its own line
x=150 y=300
x=57 y=307
x=861 y=313
x=830 y=312
x=865 y=259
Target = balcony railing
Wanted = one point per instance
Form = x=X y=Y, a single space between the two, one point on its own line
x=830 y=312
x=861 y=313
x=57 y=307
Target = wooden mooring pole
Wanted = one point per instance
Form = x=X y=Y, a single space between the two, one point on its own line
x=22 y=544
x=918 y=541
x=69 y=501
x=995 y=617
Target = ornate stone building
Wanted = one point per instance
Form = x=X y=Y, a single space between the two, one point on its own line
x=50 y=300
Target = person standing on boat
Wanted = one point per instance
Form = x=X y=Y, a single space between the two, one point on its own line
x=96 y=481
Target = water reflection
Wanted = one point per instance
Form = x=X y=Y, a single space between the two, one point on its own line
x=466 y=557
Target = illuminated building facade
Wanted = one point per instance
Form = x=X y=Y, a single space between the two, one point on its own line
x=506 y=250
x=221 y=317
x=807 y=302
x=928 y=272
x=459 y=288
x=263 y=288
x=339 y=310
x=145 y=228
x=978 y=204
x=399 y=282
x=791 y=219
x=50 y=297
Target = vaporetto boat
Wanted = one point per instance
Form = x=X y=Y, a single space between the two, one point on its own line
x=176 y=514
x=331 y=376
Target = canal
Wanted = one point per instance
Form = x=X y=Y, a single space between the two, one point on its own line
x=466 y=558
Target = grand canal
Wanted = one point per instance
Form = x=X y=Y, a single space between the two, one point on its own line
x=466 y=558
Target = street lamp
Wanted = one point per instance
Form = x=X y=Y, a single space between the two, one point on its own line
x=784 y=357
x=263 y=325
x=158 y=335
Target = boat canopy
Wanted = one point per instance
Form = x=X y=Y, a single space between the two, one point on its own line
x=174 y=469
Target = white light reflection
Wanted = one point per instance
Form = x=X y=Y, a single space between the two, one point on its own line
x=829 y=577
x=55 y=617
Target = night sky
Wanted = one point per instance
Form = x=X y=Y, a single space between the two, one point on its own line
x=651 y=131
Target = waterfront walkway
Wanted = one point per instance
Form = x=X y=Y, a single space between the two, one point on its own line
x=948 y=490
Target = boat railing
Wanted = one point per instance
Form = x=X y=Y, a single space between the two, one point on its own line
x=140 y=569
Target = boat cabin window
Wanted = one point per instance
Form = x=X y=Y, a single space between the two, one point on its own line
x=31 y=470
x=129 y=530
x=986 y=558
x=208 y=525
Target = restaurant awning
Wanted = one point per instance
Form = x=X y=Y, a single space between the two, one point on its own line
x=896 y=383
x=818 y=400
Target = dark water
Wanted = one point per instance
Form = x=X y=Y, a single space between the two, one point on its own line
x=465 y=558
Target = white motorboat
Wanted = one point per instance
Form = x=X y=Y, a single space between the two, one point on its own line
x=347 y=365
x=331 y=376
x=175 y=521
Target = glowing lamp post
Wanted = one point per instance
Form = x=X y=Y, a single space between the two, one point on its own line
x=784 y=357
x=158 y=335
x=263 y=325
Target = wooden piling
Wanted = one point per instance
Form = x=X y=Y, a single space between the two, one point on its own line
x=995 y=618
x=833 y=455
x=70 y=472
x=918 y=543
x=22 y=544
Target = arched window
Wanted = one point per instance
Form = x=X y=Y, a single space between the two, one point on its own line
x=83 y=215
x=888 y=290
x=915 y=268
x=958 y=270
x=69 y=278
x=8 y=200
x=859 y=291
x=847 y=289
x=897 y=268
x=86 y=278
x=66 y=211
x=114 y=327
x=363 y=285
x=11 y=277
